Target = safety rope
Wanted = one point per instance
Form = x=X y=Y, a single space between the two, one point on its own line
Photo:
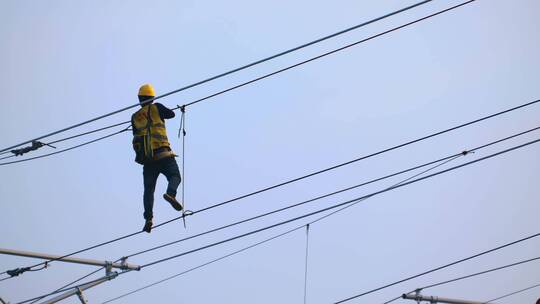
x=182 y=132
x=306 y=267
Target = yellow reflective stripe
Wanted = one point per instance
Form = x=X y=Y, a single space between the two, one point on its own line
x=159 y=136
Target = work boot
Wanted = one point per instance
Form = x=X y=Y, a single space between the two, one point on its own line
x=174 y=203
x=148 y=226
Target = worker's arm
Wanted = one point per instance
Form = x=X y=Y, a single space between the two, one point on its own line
x=165 y=112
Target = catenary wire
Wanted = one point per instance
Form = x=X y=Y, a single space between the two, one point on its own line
x=330 y=53
x=388 y=189
x=466 y=277
x=442 y=161
x=307 y=245
x=57 y=291
x=63 y=288
x=480 y=273
x=89 y=132
x=361 y=198
x=65 y=150
x=342 y=204
x=438 y=268
x=202 y=265
x=429 y=286
x=229 y=72
x=171 y=277
x=243 y=221
x=284 y=69
x=364 y=157
x=226 y=226
x=513 y=293
x=297 y=228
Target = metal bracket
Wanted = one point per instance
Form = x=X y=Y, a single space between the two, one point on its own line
x=81 y=296
x=418 y=295
x=108 y=268
x=123 y=262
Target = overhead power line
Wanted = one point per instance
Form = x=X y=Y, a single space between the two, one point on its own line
x=65 y=150
x=307 y=176
x=443 y=160
x=63 y=289
x=469 y=276
x=270 y=74
x=480 y=273
x=297 y=228
x=230 y=225
x=202 y=265
x=438 y=268
x=228 y=72
x=352 y=201
x=342 y=204
x=282 y=234
x=514 y=293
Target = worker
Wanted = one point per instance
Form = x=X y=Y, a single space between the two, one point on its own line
x=153 y=151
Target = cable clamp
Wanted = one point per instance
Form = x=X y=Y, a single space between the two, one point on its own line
x=35 y=145
x=123 y=262
x=108 y=268
x=466 y=152
x=182 y=108
x=17 y=271
x=184 y=214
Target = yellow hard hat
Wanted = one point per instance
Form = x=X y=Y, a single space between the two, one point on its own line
x=147 y=90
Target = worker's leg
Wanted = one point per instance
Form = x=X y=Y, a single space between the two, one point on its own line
x=170 y=169
x=150 y=175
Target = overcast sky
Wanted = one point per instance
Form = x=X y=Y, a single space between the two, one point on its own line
x=67 y=61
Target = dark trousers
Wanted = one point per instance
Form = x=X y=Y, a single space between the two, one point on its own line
x=169 y=168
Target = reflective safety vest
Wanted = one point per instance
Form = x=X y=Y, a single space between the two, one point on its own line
x=153 y=129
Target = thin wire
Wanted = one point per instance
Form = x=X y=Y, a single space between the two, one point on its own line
x=64 y=150
x=306 y=266
x=229 y=72
x=89 y=132
x=262 y=77
x=394 y=299
x=361 y=158
x=480 y=273
x=330 y=53
x=174 y=276
x=58 y=291
x=184 y=164
x=6 y=157
x=65 y=286
x=285 y=208
x=439 y=268
x=171 y=277
x=471 y=275
x=397 y=184
x=343 y=204
x=202 y=265
x=513 y=293
x=147 y=286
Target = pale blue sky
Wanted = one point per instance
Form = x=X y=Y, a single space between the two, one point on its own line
x=66 y=61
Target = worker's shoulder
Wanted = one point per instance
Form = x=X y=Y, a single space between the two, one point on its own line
x=160 y=106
